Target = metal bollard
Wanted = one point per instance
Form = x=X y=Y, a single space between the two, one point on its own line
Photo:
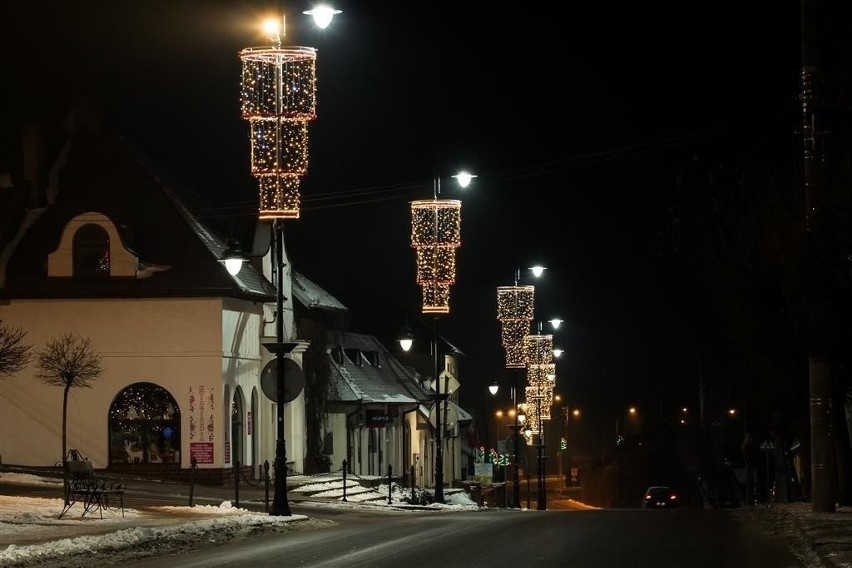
x=237 y=483
x=344 y=480
x=266 y=482
x=192 y=467
x=390 y=485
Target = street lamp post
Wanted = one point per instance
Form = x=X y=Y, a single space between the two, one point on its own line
x=492 y=388
x=280 y=503
x=435 y=234
x=516 y=428
x=278 y=124
x=233 y=257
x=439 y=404
x=516 y=434
x=515 y=309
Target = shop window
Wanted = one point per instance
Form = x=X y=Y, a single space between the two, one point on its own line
x=144 y=426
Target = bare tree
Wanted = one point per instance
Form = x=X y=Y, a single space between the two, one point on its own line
x=14 y=354
x=68 y=361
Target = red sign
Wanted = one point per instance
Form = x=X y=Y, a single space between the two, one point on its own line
x=201 y=451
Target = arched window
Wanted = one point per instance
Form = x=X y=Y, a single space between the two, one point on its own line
x=91 y=252
x=144 y=426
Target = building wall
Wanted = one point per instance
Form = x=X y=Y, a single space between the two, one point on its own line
x=174 y=343
x=336 y=424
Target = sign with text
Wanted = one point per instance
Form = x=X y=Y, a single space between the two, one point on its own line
x=201 y=451
x=377 y=418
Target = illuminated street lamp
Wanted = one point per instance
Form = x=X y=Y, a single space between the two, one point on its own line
x=322 y=14
x=233 y=257
x=278 y=99
x=435 y=236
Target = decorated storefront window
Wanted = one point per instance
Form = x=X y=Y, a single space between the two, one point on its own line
x=144 y=426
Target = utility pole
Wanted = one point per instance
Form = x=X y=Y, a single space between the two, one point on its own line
x=819 y=368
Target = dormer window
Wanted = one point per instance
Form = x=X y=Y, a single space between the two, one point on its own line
x=91 y=247
x=337 y=355
x=91 y=252
x=373 y=358
x=353 y=355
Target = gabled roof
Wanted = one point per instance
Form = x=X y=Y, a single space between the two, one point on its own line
x=312 y=296
x=102 y=172
x=364 y=371
x=464 y=415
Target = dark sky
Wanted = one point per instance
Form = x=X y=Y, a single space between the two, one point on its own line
x=575 y=122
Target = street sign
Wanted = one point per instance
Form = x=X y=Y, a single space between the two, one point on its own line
x=449 y=417
x=294 y=380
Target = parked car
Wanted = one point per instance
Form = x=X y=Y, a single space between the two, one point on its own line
x=659 y=497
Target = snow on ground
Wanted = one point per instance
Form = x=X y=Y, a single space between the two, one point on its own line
x=28 y=524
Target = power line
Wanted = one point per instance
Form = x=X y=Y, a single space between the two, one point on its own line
x=405 y=190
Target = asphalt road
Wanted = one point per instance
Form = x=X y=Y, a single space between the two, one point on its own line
x=492 y=536
x=511 y=539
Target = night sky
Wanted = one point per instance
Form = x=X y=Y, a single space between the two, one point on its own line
x=575 y=121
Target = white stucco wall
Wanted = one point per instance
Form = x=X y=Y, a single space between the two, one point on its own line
x=178 y=344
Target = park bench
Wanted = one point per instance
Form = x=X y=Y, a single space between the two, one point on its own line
x=93 y=492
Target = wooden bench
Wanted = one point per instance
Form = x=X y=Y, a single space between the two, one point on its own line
x=90 y=490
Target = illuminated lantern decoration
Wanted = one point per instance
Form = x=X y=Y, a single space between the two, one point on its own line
x=278 y=98
x=435 y=235
x=515 y=309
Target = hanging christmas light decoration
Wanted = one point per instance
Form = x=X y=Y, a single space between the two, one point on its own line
x=538 y=350
x=515 y=309
x=436 y=234
x=539 y=401
x=278 y=98
x=541 y=374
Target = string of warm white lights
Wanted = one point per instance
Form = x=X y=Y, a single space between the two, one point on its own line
x=515 y=310
x=278 y=98
x=541 y=375
x=436 y=234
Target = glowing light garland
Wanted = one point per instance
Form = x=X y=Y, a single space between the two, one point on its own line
x=541 y=374
x=436 y=234
x=515 y=309
x=538 y=411
x=278 y=98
